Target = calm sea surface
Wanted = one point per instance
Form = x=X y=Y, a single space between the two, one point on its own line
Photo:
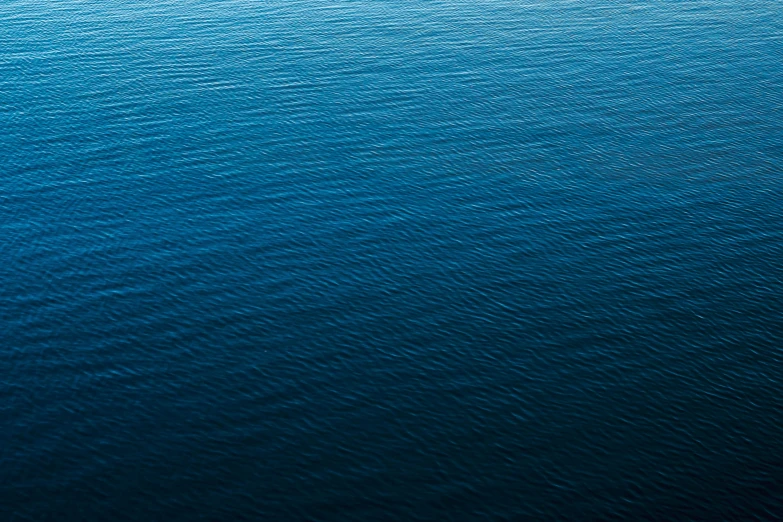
x=358 y=260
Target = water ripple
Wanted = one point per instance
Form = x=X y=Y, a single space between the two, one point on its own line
x=391 y=260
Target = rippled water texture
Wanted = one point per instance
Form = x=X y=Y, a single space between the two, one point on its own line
x=298 y=260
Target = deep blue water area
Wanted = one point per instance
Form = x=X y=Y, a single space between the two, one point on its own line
x=358 y=260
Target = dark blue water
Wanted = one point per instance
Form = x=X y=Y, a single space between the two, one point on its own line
x=315 y=260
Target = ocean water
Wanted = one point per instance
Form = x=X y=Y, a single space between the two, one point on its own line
x=442 y=260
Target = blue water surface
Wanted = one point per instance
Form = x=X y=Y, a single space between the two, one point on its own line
x=443 y=260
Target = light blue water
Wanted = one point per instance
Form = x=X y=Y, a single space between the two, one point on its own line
x=391 y=260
